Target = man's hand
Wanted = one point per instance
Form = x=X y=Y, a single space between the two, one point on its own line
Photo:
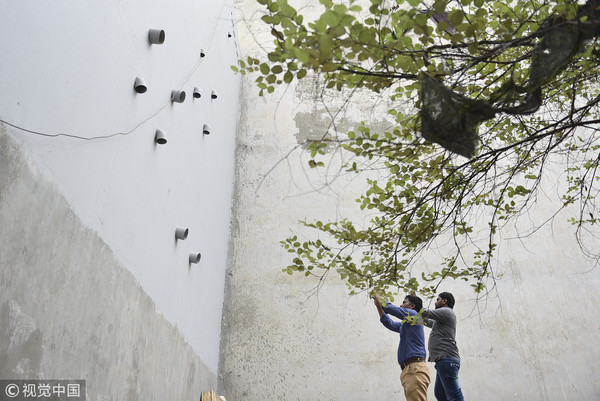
x=376 y=297
x=377 y=302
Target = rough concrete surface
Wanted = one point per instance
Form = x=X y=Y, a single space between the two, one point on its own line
x=69 y=310
x=533 y=336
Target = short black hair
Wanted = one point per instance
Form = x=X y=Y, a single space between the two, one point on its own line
x=448 y=297
x=413 y=299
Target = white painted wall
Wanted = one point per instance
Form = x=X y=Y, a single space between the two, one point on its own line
x=69 y=67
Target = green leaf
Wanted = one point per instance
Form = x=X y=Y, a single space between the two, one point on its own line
x=328 y=67
x=439 y=6
x=456 y=17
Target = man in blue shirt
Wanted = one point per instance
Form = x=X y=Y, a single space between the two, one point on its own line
x=415 y=376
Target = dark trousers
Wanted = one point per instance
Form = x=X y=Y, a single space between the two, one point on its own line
x=447 y=387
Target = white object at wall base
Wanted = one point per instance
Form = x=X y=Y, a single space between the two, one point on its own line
x=181 y=233
x=214 y=94
x=140 y=85
x=206 y=129
x=202 y=53
x=156 y=36
x=197 y=93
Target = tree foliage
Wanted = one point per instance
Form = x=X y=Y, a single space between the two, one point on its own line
x=519 y=79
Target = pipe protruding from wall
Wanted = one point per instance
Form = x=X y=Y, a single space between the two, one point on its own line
x=206 y=129
x=178 y=96
x=156 y=36
x=213 y=94
x=197 y=93
x=181 y=233
x=140 y=85
x=202 y=53
x=160 y=137
x=195 y=257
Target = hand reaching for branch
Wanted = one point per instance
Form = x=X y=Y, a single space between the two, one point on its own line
x=377 y=302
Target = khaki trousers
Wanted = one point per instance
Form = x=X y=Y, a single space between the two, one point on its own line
x=415 y=379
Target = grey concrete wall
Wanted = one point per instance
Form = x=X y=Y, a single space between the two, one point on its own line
x=69 y=86
x=70 y=309
x=533 y=336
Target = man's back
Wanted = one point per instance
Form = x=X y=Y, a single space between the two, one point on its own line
x=442 y=340
x=412 y=337
x=442 y=348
